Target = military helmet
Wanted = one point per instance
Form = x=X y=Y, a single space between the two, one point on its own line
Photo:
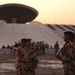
x=70 y=34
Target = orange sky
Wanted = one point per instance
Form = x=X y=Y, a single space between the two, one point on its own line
x=50 y=11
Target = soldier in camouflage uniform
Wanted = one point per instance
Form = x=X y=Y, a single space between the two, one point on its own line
x=32 y=60
x=67 y=54
x=26 y=58
x=21 y=58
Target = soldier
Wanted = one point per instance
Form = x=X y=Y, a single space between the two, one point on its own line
x=21 y=58
x=32 y=60
x=67 y=54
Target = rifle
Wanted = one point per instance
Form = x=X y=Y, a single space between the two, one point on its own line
x=59 y=52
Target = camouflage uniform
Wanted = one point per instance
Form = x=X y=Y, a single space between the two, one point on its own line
x=67 y=56
x=25 y=61
x=32 y=61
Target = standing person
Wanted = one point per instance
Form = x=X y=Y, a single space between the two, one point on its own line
x=21 y=58
x=56 y=46
x=67 y=54
x=32 y=60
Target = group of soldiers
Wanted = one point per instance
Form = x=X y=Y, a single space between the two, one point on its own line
x=26 y=58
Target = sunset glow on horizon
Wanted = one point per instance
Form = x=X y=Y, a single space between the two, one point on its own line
x=50 y=11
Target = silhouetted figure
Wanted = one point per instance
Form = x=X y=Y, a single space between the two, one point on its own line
x=8 y=47
x=19 y=43
x=56 y=46
x=16 y=44
x=3 y=47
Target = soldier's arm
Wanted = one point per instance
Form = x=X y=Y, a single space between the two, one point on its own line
x=18 y=53
x=72 y=52
x=69 y=52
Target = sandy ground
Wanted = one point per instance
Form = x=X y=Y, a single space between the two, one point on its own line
x=48 y=65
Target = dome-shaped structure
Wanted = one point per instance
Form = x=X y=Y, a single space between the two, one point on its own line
x=36 y=22
x=17 y=13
